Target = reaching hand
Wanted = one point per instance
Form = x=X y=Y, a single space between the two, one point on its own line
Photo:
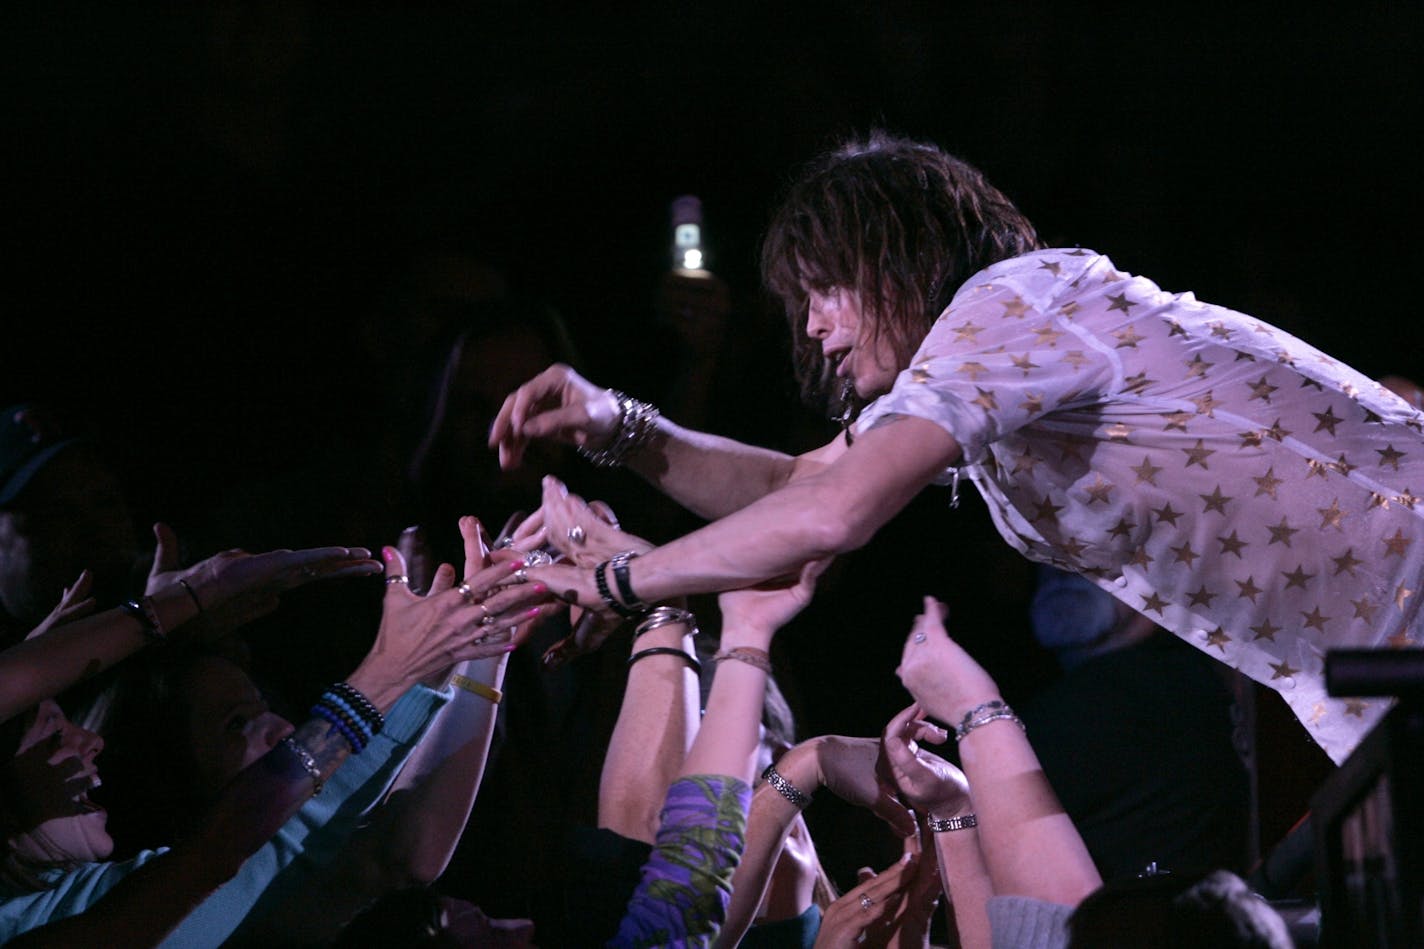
x=761 y=610
x=587 y=533
x=944 y=680
x=559 y=404
x=235 y=587
x=851 y=769
x=865 y=915
x=928 y=783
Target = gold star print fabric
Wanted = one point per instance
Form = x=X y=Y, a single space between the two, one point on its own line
x=1238 y=486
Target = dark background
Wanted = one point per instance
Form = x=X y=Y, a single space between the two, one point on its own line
x=216 y=215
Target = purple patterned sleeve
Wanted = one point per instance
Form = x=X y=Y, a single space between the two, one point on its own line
x=682 y=898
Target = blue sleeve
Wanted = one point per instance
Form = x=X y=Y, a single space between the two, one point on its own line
x=322 y=825
x=72 y=893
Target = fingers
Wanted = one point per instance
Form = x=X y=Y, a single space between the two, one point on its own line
x=82 y=587
x=476 y=552
x=416 y=550
x=530 y=532
x=929 y=732
x=443 y=580
x=605 y=514
x=165 y=554
x=397 y=582
x=890 y=810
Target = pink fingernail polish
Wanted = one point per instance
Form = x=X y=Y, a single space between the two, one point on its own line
x=516 y=565
x=388 y=553
x=511 y=647
x=540 y=588
x=533 y=612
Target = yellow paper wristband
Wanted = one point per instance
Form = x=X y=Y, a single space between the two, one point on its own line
x=478 y=688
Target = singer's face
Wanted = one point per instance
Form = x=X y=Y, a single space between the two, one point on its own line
x=835 y=319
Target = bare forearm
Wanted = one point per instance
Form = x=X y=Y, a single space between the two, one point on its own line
x=819 y=514
x=42 y=667
x=1029 y=843
x=966 y=880
x=707 y=474
x=769 y=820
x=655 y=727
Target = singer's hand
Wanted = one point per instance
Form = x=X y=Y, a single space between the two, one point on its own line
x=559 y=404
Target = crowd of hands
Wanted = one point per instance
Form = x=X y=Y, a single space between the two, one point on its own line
x=436 y=617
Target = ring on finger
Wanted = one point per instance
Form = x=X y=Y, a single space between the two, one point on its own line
x=577 y=535
x=487 y=619
x=919 y=637
x=866 y=902
x=398 y=578
x=464 y=590
x=538 y=558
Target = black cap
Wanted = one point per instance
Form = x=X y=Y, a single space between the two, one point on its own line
x=29 y=439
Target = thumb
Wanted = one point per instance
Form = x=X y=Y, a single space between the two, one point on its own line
x=888 y=809
x=165 y=554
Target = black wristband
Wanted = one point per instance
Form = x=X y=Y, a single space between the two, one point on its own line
x=667 y=651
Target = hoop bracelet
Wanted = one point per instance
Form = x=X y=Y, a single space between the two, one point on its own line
x=196 y=602
x=1005 y=714
x=666 y=616
x=667 y=651
x=982 y=714
x=942 y=824
x=747 y=654
x=784 y=787
x=477 y=688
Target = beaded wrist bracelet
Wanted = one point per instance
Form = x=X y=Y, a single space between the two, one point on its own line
x=351 y=714
x=942 y=824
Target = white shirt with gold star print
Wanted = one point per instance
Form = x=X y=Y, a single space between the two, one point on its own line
x=1235 y=484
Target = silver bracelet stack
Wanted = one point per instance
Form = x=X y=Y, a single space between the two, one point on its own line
x=997 y=710
x=666 y=616
x=636 y=423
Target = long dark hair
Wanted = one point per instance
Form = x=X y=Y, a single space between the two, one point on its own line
x=900 y=222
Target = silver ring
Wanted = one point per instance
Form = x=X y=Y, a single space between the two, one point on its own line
x=919 y=637
x=576 y=534
x=521 y=575
x=538 y=558
x=487 y=619
x=398 y=578
x=464 y=590
x=866 y=902
x=503 y=543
